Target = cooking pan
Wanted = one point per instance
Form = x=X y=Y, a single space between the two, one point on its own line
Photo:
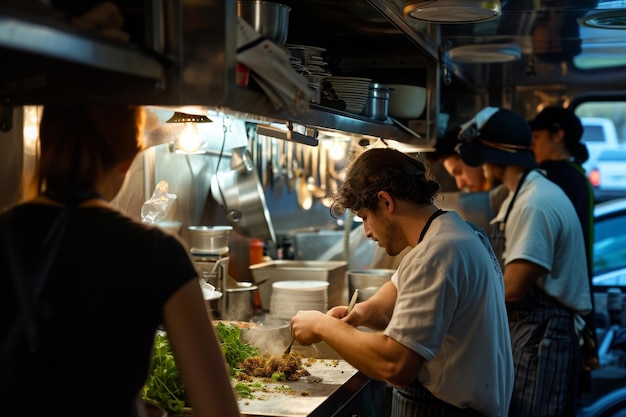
x=240 y=194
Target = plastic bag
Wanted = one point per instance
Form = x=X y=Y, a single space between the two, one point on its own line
x=157 y=207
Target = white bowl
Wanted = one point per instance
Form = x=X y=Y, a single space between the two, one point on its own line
x=406 y=101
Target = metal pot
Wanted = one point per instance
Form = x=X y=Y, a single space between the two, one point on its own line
x=377 y=104
x=237 y=303
x=269 y=19
x=367 y=281
x=240 y=193
x=207 y=239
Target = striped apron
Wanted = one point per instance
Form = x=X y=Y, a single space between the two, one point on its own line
x=416 y=401
x=546 y=353
x=546 y=357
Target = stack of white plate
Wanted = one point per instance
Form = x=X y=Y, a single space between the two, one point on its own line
x=290 y=296
x=352 y=90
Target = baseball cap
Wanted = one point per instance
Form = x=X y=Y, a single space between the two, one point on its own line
x=553 y=118
x=498 y=136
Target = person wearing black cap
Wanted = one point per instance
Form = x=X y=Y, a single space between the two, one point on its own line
x=467 y=178
x=560 y=153
x=480 y=197
x=540 y=242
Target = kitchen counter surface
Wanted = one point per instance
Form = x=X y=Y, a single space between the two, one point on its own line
x=330 y=385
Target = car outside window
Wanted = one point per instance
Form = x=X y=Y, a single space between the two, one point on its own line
x=609 y=257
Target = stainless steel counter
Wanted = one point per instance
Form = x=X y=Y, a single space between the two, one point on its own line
x=332 y=386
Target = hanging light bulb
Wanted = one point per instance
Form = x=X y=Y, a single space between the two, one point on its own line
x=189 y=140
x=337 y=150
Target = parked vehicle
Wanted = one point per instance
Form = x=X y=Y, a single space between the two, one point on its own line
x=609 y=258
x=608 y=174
x=599 y=134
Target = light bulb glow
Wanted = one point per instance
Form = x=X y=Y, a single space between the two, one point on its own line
x=337 y=151
x=31 y=128
x=189 y=139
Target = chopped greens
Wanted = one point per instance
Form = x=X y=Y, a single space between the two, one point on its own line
x=234 y=349
x=279 y=376
x=164 y=386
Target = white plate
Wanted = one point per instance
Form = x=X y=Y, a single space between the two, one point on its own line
x=303 y=285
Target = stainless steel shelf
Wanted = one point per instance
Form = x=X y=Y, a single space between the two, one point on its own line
x=53 y=42
x=255 y=107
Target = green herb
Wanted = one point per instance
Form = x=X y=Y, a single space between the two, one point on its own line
x=164 y=386
x=279 y=376
x=234 y=349
x=247 y=389
x=243 y=390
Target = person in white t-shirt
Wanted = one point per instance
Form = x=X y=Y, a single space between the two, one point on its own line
x=539 y=240
x=442 y=338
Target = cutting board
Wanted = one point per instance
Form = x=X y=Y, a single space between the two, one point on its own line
x=303 y=397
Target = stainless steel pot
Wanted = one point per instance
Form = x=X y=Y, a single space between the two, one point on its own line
x=207 y=239
x=237 y=302
x=377 y=104
x=367 y=281
x=269 y=19
x=240 y=193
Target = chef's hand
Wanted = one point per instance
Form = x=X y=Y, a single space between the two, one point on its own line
x=305 y=326
x=355 y=318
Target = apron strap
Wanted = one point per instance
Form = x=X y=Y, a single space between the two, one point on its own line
x=29 y=289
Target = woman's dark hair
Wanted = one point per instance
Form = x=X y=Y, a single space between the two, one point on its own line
x=383 y=169
x=78 y=143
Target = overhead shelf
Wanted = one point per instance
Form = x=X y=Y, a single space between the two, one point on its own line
x=255 y=107
x=46 y=60
x=46 y=40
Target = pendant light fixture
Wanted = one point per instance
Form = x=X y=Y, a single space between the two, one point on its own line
x=189 y=140
x=453 y=11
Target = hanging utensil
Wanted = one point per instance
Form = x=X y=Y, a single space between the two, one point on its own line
x=326 y=200
x=290 y=166
x=312 y=180
x=267 y=161
x=305 y=199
